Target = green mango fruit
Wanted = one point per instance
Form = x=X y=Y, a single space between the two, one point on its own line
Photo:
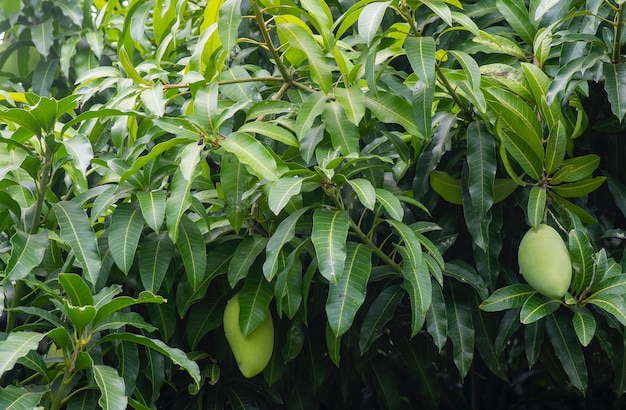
x=544 y=261
x=252 y=352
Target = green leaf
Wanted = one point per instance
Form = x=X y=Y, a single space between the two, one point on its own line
x=282 y=191
x=243 y=258
x=353 y=102
x=516 y=14
x=421 y=54
x=556 y=146
x=303 y=40
x=311 y=108
x=190 y=244
x=447 y=187
x=22 y=118
x=80 y=316
x=486 y=328
x=112 y=389
x=154 y=100
x=461 y=333
x=508 y=297
x=580 y=188
x=228 y=23
x=283 y=234
x=107 y=308
x=578 y=167
x=330 y=231
x=176 y=355
x=536 y=307
x=344 y=135
x=581 y=253
x=235 y=179
x=418 y=285
x=481 y=161
x=77 y=232
x=348 y=294
x=614 y=80
x=391 y=203
x=568 y=351
x=155 y=254
x=437 y=318
x=390 y=108
x=333 y=343
x=254 y=299
x=584 y=325
x=370 y=19
x=464 y=273
x=152 y=205
x=533 y=338
x=536 y=206
x=365 y=192
x=204 y=317
x=270 y=130
x=177 y=203
x=615 y=284
x=252 y=153
x=43 y=36
x=76 y=289
x=124 y=234
x=612 y=303
x=27 y=253
x=15 y=398
x=16 y=345
x=379 y=313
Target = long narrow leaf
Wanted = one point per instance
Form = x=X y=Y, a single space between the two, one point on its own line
x=330 y=231
x=347 y=296
x=77 y=232
x=568 y=350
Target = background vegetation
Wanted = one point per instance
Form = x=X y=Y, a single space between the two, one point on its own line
x=363 y=171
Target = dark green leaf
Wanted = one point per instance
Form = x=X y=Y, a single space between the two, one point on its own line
x=190 y=244
x=348 y=294
x=380 y=312
x=509 y=297
x=124 y=233
x=461 y=333
x=568 y=351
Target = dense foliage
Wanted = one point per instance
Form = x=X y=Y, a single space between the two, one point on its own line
x=363 y=171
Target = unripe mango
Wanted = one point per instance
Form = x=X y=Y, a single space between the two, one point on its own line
x=252 y=352
x=544 y=261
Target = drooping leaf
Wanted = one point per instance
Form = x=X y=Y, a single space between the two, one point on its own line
x=581 y=254
x=124 y=233
x=536 y=206
x=370 y=19
x=461 y=333
x=177 y=203
x=348 y=294
x=155 y=255
x=568 y=351
x=303 y=40
x=77 y=232
x=437 y=318
x=190 y=243
x=283 y=234
x=379 y=313
x=584 y=325
x=615 y=77
x=254 y=299
x=243 y=258
x=176 y=355
x=330 y=231
x=152 y=205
